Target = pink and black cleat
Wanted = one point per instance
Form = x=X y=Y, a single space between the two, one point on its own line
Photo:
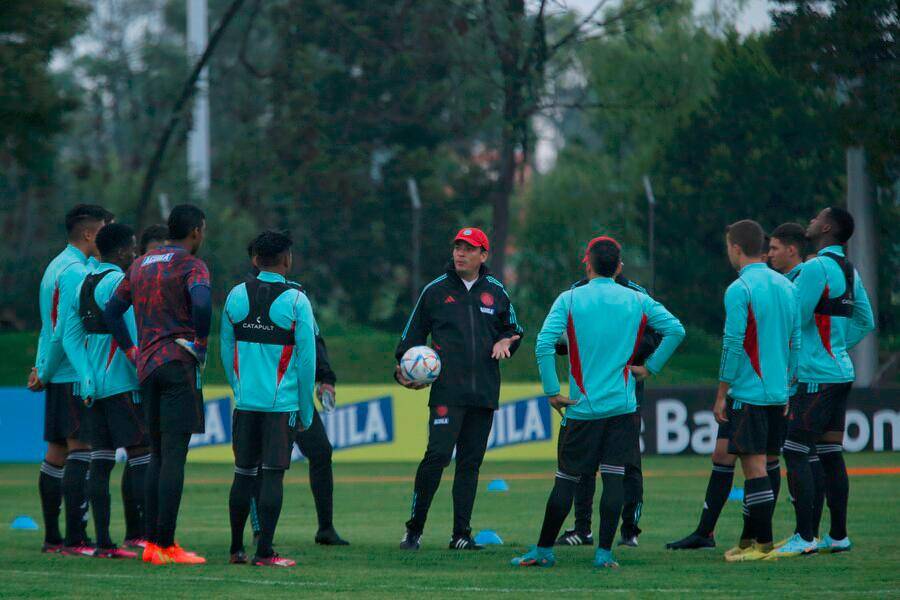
x=114 y=552
x=81 y=549
x=51 y=548
x=273 y=561
x=135 y=543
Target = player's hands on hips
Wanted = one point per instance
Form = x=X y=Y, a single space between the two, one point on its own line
x=719 y=410
x=559 y=402
x=640 y=372
x=34 y=382
x=501 y=348
x=399 y=378
x=326 y=395
x=195 y=349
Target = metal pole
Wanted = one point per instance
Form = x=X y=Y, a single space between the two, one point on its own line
x=651 y=234
x=198 y=136
x=863 y=253
x=416 y=203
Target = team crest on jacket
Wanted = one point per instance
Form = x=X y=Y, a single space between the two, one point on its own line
x=487 y=299
x=440 y=411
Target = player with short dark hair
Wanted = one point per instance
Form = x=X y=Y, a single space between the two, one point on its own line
x=109 y=387
x=604 y=323
x=63 y=413
x=170 y=290
x=759 y=358
x=835 y=315
x=268 y=351
x=472 y=324
x=313 y=442
x=153 y=237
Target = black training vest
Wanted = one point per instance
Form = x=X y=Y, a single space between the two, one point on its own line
x=90 y=312
x=257 y=326
x=842 y=306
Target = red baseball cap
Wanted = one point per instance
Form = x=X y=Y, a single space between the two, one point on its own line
x=602 y=238
x=473 y=236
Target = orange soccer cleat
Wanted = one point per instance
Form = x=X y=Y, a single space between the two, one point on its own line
x=183 y=557
x=149 y=550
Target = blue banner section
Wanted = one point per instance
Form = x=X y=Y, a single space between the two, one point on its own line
x=359 y=424
x=521 y=422
x=21 y=426
x=218 y=424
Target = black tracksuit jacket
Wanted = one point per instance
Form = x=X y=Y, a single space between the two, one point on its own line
x=464 y=326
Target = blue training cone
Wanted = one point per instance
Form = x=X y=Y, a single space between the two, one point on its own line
x=488 y=537
x=498 y=485
x=736 y=494
x=25 y=523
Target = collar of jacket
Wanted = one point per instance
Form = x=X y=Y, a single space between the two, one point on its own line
x=483 y=271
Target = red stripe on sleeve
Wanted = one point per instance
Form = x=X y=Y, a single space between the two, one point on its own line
x=574 y=358
x=823 y=324
x=637 y=344
x=751 y=341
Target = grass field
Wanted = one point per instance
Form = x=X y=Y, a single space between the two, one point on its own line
x=371 y=504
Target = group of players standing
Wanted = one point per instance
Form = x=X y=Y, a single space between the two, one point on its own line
x=123 y=345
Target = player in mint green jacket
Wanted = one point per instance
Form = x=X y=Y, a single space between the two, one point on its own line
x=604 y=323
x=109 y=386
x=269 y=354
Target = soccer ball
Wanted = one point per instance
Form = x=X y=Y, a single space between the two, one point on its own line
x=420 y=364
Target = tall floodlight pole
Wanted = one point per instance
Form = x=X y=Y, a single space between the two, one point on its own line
x=864 y=255
x=416 y=204
x=651 y=233
x=198 y=136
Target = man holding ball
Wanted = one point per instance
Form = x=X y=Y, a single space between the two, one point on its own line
x=473 y=326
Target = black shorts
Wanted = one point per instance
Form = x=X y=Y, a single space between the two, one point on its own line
x=63 y=414
x=584 y=445
x=755 y=429
x=263 y=438
x=117 y=422
x=173 y=399
x=819 y=407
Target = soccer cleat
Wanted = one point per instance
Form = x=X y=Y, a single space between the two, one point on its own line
x=149 y=550
x=795 y=546
x=161 y=556
x=571 y=537
x=330 y=537
x=51 y=548
x=829 y=545
x=781 y=543
x=631 y=541
x=175 y=554
x=273 y=561
x=411 y=540
x=463 y=542
x=81 y=549
x=238 y=558
x=695 y=541
x=732 y=553
x=535 y=557
x=135 y=543
x=114 y=552
x=182 y=553
x=754 y=552
x=605 y=558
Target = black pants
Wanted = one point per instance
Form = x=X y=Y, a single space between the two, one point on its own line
x=316 y=447
x=467 y=429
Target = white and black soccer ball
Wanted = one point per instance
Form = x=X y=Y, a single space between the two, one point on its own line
x=420 y=364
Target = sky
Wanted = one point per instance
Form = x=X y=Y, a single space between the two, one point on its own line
x=753 y=17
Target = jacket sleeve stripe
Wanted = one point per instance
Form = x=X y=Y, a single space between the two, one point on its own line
x=418 y=302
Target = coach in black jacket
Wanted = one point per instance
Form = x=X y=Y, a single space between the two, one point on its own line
x=473 y=326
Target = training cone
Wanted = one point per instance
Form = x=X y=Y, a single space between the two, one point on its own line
x=24 y=522
x=736 y=494
x=498 y=485
x=488 y=537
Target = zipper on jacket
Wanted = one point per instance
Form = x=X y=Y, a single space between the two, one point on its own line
x=472 y=332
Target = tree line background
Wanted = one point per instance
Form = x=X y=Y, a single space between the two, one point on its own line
x=322 y=110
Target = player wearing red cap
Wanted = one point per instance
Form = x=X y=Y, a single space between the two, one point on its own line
x=472 y=324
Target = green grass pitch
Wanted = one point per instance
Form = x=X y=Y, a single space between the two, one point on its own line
x=371 y=503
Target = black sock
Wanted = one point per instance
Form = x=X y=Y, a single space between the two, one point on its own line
x=717 y=490
x=584 y=503
x=151 y=494
x=760 y=503
x=558 y=506
x=239 y=504
x=773 y=469
x=837 y=487
x=50 y=489
x=270 y=499
x=74 y=494
x=747 y=533
x=818 y=473
x=633 y=503
x=171 y=484
x=321 y=482
x=133 y=493
x=796 y=457
x=254 y=502
x=102 y=463
x=611 y=501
